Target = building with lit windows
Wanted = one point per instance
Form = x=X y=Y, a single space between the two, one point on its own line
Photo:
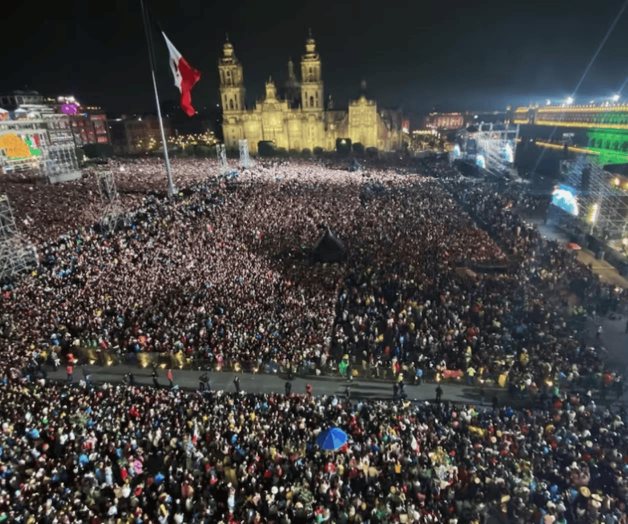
x=87 y=123
x=137 y=134
x=444 y=121
x=11 y=101
x=599 y=130
x=37 y=139
x=300 y=119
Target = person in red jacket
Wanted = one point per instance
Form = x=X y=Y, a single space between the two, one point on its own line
x=170 y=377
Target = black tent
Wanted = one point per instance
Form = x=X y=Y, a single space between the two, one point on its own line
x=329 y=248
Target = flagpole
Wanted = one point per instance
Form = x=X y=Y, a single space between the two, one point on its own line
x=149 y=43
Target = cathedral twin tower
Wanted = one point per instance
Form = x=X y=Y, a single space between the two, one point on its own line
x=299 y=121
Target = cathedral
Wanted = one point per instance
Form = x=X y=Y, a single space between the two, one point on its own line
x=299 y=119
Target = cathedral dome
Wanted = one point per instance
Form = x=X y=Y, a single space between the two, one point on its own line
x=227 y=49
x=310 y=45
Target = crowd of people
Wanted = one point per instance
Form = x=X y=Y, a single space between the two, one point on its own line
x=442 y=278
x=124 y=454
x=44 y=211
x=497 y=319
x=221 y=277
x=221 y=274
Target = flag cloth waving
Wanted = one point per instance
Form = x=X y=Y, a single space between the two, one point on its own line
x=185 y=77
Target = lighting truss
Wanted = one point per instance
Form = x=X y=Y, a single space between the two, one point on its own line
x=16 y=253
x=221 y=154
x=497 y=145
x=110 y=200
x=603 y=203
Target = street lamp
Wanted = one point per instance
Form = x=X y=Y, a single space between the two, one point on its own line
x=615 y=97
x=569 y=100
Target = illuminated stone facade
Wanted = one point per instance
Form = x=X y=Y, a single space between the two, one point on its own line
x=299 y=120
x=445 y=121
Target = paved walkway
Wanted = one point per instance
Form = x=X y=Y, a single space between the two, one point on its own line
x=371 y=389
x=608 y=273
x=263 y=383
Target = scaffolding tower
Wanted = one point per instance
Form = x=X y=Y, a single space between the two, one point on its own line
x=245 y=159
x=496 y=146
x=602 y=202
x=491 y=147
x=16 y=253
x=221 y=154
x=61 y=163
x=111 y=207
x=46 y=142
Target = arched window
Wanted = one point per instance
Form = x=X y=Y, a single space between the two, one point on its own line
x=231 y=104
x=311 y=101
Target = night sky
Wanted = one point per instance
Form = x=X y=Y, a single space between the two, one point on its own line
x=420 y=54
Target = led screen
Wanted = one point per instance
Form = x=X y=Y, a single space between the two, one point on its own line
x=566 y=198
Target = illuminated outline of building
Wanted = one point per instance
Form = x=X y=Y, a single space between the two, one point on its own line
x=605 y=126
x=444 y=121
x=300 y=120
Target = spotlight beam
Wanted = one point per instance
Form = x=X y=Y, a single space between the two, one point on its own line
x=586 y=72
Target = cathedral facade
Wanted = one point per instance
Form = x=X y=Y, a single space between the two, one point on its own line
x=299 y=118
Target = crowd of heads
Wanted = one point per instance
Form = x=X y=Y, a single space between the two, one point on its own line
x=441 y=275
x=221 y=276
x=132 y=455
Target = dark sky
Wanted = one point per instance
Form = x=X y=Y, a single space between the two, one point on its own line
x=453 y=54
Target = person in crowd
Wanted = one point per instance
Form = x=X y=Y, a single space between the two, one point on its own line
x=86 y=375
x=203 y=380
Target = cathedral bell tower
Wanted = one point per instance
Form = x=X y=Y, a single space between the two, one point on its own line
x=231 y=81
x=311 y=79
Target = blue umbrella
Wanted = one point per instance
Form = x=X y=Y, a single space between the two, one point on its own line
x=331 y=439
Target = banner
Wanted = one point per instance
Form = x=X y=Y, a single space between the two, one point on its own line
x=14 y=147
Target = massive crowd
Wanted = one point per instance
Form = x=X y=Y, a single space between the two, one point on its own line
x=221 y=277
x=441 y=277
x=44 y=212
x=220 y=274
x=130 y=455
